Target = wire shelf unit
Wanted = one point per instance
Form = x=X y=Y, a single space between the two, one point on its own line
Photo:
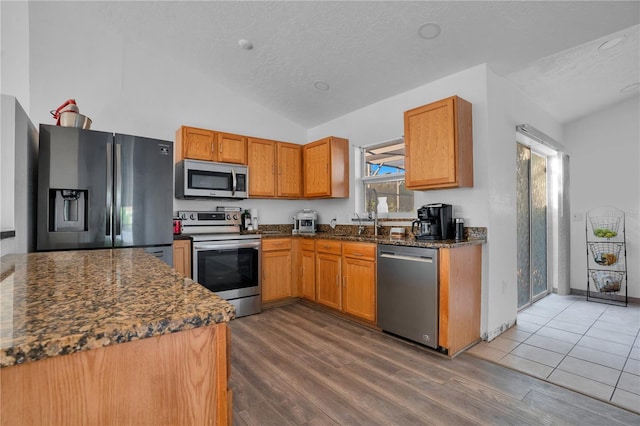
x=606 y=256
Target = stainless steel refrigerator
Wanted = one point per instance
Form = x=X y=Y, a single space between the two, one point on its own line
x=104 y=190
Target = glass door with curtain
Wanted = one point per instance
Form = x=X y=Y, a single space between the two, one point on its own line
x=531 y=226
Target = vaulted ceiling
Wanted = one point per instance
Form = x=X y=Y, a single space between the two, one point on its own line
x=312 y=61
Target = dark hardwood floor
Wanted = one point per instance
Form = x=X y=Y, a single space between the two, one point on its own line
x=296 y=365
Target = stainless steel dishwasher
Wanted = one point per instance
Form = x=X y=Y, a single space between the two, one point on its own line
x=408 y=292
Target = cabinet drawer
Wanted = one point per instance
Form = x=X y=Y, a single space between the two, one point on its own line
x=307 y=244
x=276 y=244
x=359 y=250
x=329 y=246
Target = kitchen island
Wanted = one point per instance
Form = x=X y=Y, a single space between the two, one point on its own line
x=110 y=337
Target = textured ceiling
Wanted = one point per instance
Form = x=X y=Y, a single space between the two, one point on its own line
x=368 y=51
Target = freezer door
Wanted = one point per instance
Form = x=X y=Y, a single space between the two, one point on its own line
x=74 y=190
x=143 y=191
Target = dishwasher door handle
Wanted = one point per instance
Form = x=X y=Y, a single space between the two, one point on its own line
x=409 y=258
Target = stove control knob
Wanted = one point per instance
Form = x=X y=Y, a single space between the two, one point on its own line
x=183 y=216
x=192 y=216
x=235 y=217
x=228 y=217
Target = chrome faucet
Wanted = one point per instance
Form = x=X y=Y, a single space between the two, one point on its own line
x=360 y=227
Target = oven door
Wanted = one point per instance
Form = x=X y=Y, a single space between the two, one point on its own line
x=231 y=269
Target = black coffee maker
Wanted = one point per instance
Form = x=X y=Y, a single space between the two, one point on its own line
x=434 y=222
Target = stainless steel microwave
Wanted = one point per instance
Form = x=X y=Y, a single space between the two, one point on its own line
x=197 y=179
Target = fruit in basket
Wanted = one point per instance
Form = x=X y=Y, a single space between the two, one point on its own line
x=607 y=259
x=604 y=233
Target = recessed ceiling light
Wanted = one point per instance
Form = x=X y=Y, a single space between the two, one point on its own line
x=245 y=44
x=321 y=85
x=610 y=44
x=429 y=31
x=629 y=88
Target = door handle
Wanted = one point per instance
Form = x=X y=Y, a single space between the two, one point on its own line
x=109 y=200
x=235 y=182
x=344 y=282
x=118 y=189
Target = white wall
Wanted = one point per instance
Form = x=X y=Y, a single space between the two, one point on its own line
x=119 y=89
x=14 y=43
x=508 y=107
x=498 y=106
x=605 y=154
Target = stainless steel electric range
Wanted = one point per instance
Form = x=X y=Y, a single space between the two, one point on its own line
x=225 y=261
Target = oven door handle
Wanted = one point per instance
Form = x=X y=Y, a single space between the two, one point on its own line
x=224 y=246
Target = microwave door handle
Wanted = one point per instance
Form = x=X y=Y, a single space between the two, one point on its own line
x=235 y=182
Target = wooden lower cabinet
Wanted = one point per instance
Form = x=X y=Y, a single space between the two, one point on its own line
x=359 y=280
x=328 y=277
x=177 y=378
x=308 y=270
x=182 y=257
x=460 y=297
x=276 y=269
x=345 y=277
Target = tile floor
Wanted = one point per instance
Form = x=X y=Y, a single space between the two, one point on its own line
x=589 y=347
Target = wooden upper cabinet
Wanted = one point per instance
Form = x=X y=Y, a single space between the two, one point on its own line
x=262 y=165
x=209 y=145
x=275 y=169
x=196 y=144
x=231 y=148
x=326 y=168
x=439 y=145
x=289 y=164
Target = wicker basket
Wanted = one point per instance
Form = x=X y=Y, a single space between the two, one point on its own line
x=605 y=254
x=607 y=281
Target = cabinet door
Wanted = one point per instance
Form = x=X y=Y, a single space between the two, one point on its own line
x=198 y=144
x=182 y=257
x=276 y=275
x=232 y=148
x=460 y=297
x=308 y=279
x=261 y=160
x=317 y=174
x=359 y=288
x=289 y=170
x=328 y=280
x=438 y=145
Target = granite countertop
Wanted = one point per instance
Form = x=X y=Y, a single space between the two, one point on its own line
x=382 y=239
x=57 y=303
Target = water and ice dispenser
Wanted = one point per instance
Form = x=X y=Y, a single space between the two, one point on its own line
x=68 y=210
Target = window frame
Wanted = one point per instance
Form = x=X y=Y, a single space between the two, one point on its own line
x=364 y=180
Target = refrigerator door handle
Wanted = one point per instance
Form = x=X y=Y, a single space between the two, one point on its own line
x=109 y=205
x=117 y=184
